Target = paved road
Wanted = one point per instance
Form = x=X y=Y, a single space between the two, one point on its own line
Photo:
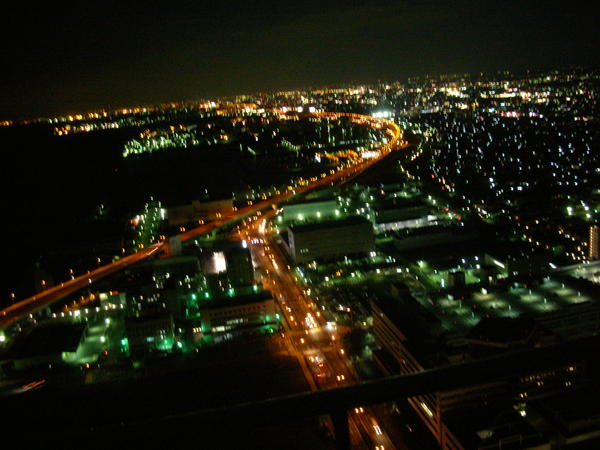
x=32 y=304
x=317 y=345
x=39 y=301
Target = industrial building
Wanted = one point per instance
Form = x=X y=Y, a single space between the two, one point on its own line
x=237 y=315
x=397 y=218
x=47 y=344
x=494 y=414
x=521 y=262
x=330 y=239
x=150 y=332
x=199 y=210
x=310 y=211
x=239 y=266
x=432 y=236
x=227 y=266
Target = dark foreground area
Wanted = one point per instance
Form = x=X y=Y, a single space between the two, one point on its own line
x=100 y=415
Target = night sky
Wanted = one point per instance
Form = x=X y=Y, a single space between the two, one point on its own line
x=60 y=59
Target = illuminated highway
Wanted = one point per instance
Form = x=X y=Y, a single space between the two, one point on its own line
x=44 y=299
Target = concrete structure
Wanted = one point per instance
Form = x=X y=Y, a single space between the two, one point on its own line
x=310 y=211
x=198 y=210
x=493 y=414
x=575 y=321
x=150 y=332
x=113 y=299
x=177 y=266
x=213 y=262
x=227 y=266
x=434 y=236
x=456 y=280
x=239 y=266
x=241 y=313
x=331 y=239
x=518 y=263
x=385 y=224
x=397 y=218
x=175 y=247
x=394 y=331
x=46 y=344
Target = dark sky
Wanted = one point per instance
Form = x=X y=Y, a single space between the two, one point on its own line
x=61 y=59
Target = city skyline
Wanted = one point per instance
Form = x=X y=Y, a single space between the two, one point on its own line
x=63 y=60
x=324 y=236
x=351 y=225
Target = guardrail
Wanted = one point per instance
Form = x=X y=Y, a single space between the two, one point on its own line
x=337 y=402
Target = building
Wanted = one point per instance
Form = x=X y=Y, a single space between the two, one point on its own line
x=403 y=340
x=46 y=344
x=223 y=318
x=310 y=211
x=417 y=238
x=397 y=218
x=177 y=266
x=521 y=262
x=113 y=299
x=213 y=262
x=386 y=223
x=574 y=321
x=499 y=412
x=227 y=266
x=239 y=266
x=198 y=210
x=330 y=239
x=594 y=243
x=150 y=332
x=456 y=279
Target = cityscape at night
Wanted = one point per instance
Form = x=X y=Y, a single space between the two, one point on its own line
x=403 y=256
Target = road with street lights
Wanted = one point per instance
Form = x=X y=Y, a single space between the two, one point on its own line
x=29 y=306
x=316 y=343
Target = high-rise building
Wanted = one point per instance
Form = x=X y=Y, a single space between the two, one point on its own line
x=594 y=243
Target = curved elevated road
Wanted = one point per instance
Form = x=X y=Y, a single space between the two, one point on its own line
x=44 y=299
